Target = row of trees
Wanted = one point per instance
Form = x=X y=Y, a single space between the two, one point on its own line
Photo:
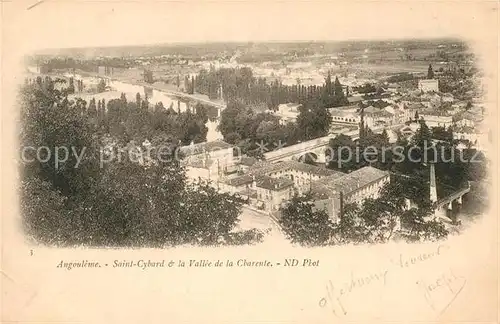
x=239 y=84
x=242 y=126
x=85 y=202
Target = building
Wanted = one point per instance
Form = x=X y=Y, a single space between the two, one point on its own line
x=245 y=163
x=409 y=130
x=105 y=70
x=208 y=160
x=354 y=100
x=347 y=117
x=38 y=69
x=393 y=88
x=401 y=113
x=267 y=186
x=436 y=119
x=467 y=119
x=333 y=192
x=379 y=117
x=261 y=191
x=428 y=85
x=288 y=113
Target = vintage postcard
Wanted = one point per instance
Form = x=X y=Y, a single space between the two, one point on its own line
x=249 y=161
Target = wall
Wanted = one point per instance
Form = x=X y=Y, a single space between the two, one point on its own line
x=331 y=206
x=437 y=121
x=193 y=174
x=371 y=190
x=429 y=85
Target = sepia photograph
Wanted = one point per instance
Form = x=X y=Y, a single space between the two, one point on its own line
x=321 y=143
x=351 y=138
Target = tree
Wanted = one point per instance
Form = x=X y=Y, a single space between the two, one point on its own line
x=339 y=93
x=377 y=220
x=192 y=86
x=349 y=228
x=340 y=153
x=71 y=86
x=417 y=225
x=423 y=135
x=430 y=72
x=92 y=110
x=123 y=98
x=101 y=87
x=314 y=120
x=140 y=200
x=209 y=216
x=328 y=85
x=138 y=100
x=385 y=137
x=417 y=117
x=303 y=224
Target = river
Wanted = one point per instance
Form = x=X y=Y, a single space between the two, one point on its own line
x=154 y=96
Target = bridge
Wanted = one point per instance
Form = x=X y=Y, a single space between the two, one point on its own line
x=313 y=148
x=448 y=201
x=193 y=97
x=455 y=196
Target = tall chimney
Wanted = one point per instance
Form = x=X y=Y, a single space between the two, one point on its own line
x=433 y=189
x=254 y=183
x=341 y=206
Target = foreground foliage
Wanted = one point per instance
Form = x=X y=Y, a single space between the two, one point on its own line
x=374 y=221
x=82 y=201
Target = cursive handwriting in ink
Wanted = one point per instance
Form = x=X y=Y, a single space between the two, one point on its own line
x=442 y=291
x=335 y=295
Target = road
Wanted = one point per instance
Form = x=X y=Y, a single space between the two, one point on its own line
x=252 y=219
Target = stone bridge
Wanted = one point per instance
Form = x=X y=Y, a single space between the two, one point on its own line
x=136 y=86
x=444 y=206
x=456 y=196
x=315 y=148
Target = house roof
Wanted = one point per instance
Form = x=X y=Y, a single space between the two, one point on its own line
x=273 y=183
x=370 y=109
x=239 y=181
x=380 y=113
x=468 y=115
x=435 y=113
x=200 y=163
x=204 y=147
x=248 y=160
x=334 y=112
x=354 y=99
x=268 y=168
x=348 y=183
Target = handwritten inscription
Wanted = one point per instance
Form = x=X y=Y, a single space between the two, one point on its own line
x=337 y=293
x=406 y=262
x=442 y=290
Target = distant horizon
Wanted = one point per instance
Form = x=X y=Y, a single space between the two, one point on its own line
x=248 y=42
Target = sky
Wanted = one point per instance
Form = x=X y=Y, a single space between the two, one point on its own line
x=91 y=23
